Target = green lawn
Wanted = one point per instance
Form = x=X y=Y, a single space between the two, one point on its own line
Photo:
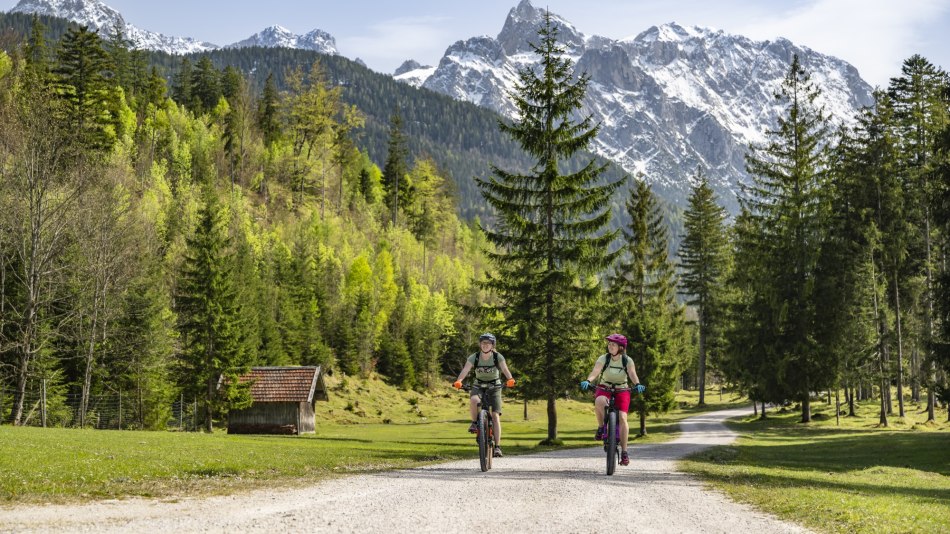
x=60 y=465
x=852 y=478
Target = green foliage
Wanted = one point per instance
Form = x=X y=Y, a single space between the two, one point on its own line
x=788 y=213
x=209 y=317
x=80 y=80
x=643 y=306
x=704 y=260
x=550 y=235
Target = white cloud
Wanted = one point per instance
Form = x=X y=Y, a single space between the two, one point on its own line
x=873 y=35
x=390 y=42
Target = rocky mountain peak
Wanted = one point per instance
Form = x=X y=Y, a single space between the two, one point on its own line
x=278 y=36
x=521 y=27
x=99 y=16
x=91 y=13
x=670 y=100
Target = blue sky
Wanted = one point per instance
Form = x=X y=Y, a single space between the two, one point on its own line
x=873 y=35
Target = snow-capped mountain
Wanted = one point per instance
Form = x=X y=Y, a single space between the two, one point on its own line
x=413 y=73
x=101 y=17
x=278 y=36
x=669 y=100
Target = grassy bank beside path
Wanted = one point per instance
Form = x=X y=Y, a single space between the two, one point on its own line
x=366 y=426
x=856 y=477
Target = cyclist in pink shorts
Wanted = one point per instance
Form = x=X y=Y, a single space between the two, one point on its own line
x=614 y=368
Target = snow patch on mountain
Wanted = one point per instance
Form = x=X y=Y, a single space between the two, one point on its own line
x=99 y=16
x=669 y=100
x=278 y=36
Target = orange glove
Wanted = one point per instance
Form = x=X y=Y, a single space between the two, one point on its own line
x=510 y=383
x=457 y=384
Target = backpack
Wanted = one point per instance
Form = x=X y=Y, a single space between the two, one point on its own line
x=494 y=356
x=623 y=363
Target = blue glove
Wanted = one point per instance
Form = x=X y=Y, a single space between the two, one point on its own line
x=585 y=385
x=640 y=388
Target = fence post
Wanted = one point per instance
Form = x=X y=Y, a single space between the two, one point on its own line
x=120 y=409
x=194 y=415
x=43 y=403
x=181 y=412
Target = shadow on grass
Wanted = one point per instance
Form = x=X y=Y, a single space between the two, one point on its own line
x=817 y=453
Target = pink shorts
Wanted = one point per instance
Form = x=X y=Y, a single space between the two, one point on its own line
x=621 y=398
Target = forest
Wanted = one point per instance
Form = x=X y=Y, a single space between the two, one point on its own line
x=167 y=223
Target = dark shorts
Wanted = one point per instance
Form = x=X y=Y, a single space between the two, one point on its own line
x=621 y=399
x=493 y=398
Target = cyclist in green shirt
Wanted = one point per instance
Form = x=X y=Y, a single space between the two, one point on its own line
x=489 y=364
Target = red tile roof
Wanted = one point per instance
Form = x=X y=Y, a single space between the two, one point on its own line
x=284 y=384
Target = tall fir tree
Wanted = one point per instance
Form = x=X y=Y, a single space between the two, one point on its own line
x=81 y=81
x=789 y=211
x=551 y=233
x=209 y=318
x=921 y=97
x=704 y=264
x=268 y=112
x=395 y=172
x=643 y=303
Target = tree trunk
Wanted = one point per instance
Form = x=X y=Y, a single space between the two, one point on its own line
x=881 y=347
x=851 y=404
x=552 y=418
x=900 y=347
x=702 y=359
x=643 y=418
x=806 y=408
x=763 y=416
x=837 y=409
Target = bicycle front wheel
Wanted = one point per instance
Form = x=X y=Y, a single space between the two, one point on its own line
x=483 y=451
x=611 y=442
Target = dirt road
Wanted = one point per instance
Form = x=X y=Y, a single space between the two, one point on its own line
x=563 y=491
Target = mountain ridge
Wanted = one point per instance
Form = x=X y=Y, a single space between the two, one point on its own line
x=669 y=100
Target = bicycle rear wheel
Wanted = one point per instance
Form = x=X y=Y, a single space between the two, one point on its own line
x=484 y=455
x=611 y=442
x=491 y=439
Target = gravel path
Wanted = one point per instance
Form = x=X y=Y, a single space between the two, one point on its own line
x=562 y=491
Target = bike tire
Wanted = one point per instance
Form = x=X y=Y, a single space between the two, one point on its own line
x=491 y=439
x=611 y=443
x=484 y=455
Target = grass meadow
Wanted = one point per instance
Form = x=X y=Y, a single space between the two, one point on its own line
x=366 y=426
x=831 y=477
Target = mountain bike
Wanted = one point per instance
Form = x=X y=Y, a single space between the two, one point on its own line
x=612 y=421
x=485 y=431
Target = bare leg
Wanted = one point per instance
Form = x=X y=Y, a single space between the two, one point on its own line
x=600 y=407
x=473 y=408
x=496 y=418
x=624 y=430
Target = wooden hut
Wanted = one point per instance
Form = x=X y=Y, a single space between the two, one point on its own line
x=283 y=401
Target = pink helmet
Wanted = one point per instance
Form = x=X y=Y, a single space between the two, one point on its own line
x=618 y=339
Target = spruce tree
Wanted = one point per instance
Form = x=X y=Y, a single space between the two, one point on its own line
x=36 y=52
x=788 y=209
x=268 y=118
x=921 y=97
x=181 y=84
x=396 y=169
x=704 y=263
x=205 y=86
x=550 y=234
x=209 y=319
x=80 y=74
x=643 y=303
